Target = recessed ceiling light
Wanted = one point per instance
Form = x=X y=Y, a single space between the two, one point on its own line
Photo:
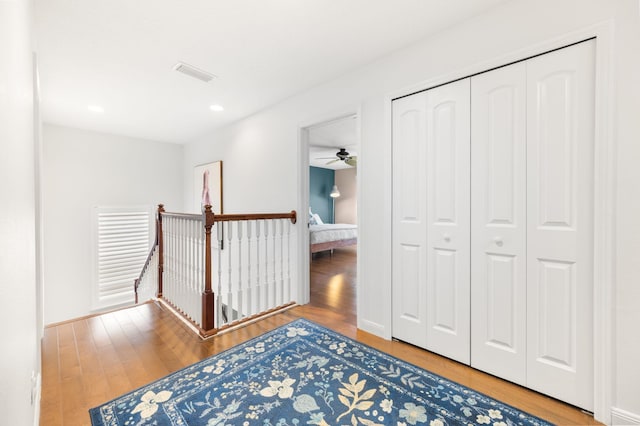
x=216 y=108
x=95 y=108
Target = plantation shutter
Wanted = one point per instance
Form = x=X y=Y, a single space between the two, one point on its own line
x=122 y=236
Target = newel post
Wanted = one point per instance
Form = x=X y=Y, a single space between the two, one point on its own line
x=208 y=296
x=160 y=248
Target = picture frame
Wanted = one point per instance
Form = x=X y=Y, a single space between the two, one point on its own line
x=214 y=183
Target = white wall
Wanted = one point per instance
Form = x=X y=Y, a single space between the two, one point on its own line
x=82 y=170
x=261 y=152
x=20 y=342
x=627 y=309
x=347 y=204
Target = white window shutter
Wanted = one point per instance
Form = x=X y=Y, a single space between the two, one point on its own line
x=122 y=236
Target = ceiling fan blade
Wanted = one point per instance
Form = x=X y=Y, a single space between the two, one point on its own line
x=333 y=161
x=352 y=161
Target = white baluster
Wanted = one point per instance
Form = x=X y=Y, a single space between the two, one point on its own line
x=175 y=268
x=273 y=281
x=179 y=258
x=199 y=276
x=186 y=302
x=195 y=271
x=281 y=284
x=249 y=310
x=167 y=258
x=219 y=234
x=229 y=307
x=239 y=298
x=288 y=296
x=192 y=268
x=258 y=286
x=173 y=260
x=185 y=267
x=265 y=263
x=185 y=270
x=200 y=257
x=176 y=259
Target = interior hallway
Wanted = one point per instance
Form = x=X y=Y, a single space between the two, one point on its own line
x=89 y=361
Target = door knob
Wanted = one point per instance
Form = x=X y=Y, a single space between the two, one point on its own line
x=498 y=241
x=446 y=237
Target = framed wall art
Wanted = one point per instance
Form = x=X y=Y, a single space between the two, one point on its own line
x=207 y=187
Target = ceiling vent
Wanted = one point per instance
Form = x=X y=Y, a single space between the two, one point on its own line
x=194 y=72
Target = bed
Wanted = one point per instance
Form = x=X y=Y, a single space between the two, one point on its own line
x=329 y=236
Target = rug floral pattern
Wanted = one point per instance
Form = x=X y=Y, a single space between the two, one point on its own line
x=304 y=374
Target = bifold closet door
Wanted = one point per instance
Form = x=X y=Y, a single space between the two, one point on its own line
x=409 y=226
x=431 y=220
x=493 y=181
x=448 y=220
x=498 y=224
x=560 y=182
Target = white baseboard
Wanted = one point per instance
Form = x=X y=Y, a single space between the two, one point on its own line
x=622 y=417
x=371 y=327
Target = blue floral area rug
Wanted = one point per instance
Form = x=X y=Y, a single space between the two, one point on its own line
x=305 y=374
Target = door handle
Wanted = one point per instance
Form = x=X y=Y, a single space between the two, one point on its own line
x=446 y=237
x=498 y=241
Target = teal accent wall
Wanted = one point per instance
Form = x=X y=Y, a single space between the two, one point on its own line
x=320 y=183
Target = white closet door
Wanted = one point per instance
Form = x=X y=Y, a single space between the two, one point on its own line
x=448 y=227
x=409 y=291
x=498 y=224
x=560 y=155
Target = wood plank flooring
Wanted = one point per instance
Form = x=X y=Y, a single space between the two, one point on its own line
x=91 y=360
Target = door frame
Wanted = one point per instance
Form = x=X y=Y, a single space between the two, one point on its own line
x=604 y=188
x=304 y=258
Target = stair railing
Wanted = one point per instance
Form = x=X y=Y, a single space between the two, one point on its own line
x=218 y=271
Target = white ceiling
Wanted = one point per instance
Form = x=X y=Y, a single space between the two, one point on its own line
x=119 y=54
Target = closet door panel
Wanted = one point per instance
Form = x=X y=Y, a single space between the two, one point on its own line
x=498 y=224
x=560 y=150
x=447 y=165
x=409 y=291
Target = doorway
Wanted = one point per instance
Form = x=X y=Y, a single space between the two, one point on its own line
x=329 y=193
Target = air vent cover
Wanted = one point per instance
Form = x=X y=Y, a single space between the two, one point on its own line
x=194 y=72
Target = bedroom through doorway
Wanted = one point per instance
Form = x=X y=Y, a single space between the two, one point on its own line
x=332 y=215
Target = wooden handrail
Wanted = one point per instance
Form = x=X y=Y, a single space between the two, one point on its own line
x=136 y=282
x=183 y=215
x=147 y=262
x=292 y=215
x=256 y=216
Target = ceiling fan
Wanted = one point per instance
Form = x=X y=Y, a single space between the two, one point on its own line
x=342 y=155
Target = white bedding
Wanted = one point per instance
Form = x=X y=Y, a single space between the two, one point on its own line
x=332 y=232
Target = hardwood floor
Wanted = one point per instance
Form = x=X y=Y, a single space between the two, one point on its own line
x=91 y=360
